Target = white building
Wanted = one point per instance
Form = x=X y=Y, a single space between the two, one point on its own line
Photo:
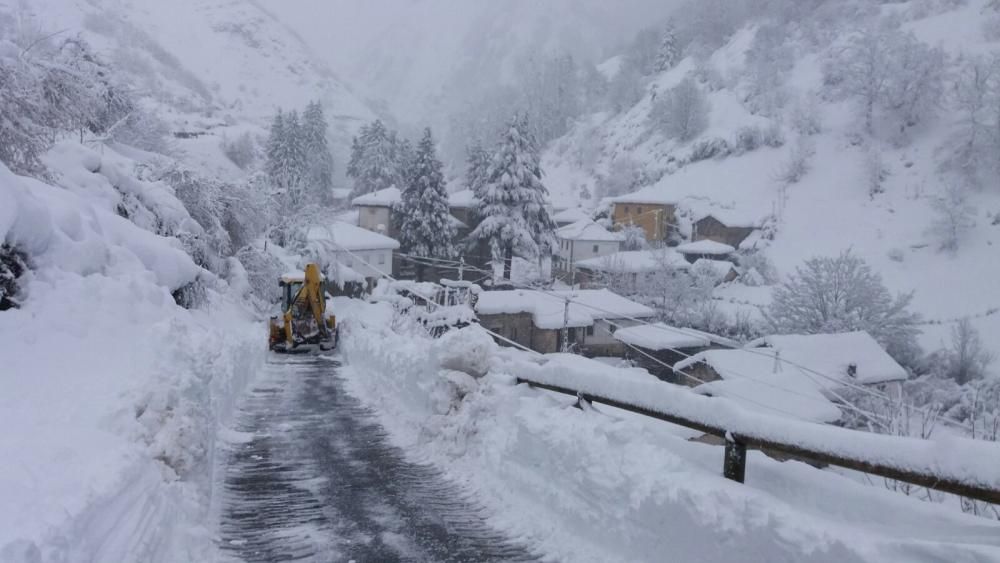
x=340 y=245
x=585 y=240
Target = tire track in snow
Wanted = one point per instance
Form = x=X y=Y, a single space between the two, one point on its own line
x=318 y=481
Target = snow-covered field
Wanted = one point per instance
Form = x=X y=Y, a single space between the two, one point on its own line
x=606 y=485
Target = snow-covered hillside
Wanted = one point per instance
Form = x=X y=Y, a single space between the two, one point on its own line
x=878 y=194
x=206 y=65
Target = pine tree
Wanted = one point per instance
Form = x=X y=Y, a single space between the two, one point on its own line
x=512 y=200
x=373 y=164
x=273 y=149
x=669 y=53
x=286 y=157
x=477 y=161
x=319 y=161
x=426 y=227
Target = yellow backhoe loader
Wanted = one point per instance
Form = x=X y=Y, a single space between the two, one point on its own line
x=304 y=325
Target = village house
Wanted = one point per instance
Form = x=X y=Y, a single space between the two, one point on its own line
x=463 y=206
x=721 y=271
x=656 y=215
x=629 y=269
x=583 y=240
x=375 y=210
x=653 y=345
x=728 y=227
x=798 y=373
x=349 y=253
x=536 y=319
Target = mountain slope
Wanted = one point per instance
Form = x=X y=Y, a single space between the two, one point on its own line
x=832 y=207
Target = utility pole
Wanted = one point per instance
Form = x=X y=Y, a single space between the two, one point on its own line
x=565 y=329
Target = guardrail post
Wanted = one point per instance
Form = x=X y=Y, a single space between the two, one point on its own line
x=734 y=465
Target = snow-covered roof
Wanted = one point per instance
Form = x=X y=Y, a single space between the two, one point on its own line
x=571 y=215
x=296 y=276
x=781 y=394
x=343 y=274
x=753 y=240
x=719 y=268
x=802 y=364
x=709 y=247
x=350 y=237
x=465 y=199
x=730 y=216
x=647 y=195
x=660 y=336
x=548 y=308
x=382 y=198
x=585 y=229
x=831 y=354
x=636 y=261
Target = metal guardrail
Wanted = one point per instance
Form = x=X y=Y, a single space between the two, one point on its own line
x=734 y=464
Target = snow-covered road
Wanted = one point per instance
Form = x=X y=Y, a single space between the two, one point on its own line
x=309 y=476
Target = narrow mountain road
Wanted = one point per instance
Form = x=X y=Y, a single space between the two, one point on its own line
x=319 y=482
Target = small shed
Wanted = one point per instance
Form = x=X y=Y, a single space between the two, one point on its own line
x=653 y=345
x=721 y=271
x=705 y=248
x=728 y=226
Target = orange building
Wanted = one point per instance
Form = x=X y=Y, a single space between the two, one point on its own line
x=656 y=218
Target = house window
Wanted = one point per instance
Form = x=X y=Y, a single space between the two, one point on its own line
x=638 y=210
x=371 y=210
x=590 y=330
x=626 y=210
x=513 y=333
x=612 y=328
x=596 y=249
x=381 y=258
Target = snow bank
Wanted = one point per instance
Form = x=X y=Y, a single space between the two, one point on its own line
x=602 y=485
x=111 y=392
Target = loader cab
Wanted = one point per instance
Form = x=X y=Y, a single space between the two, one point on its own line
x=290 y=285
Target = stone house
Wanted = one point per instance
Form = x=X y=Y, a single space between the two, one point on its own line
x=726 y=228
x=536 y=319
x=656 y=216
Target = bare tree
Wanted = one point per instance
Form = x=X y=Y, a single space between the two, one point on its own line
x=842 y=293
x=886 y=69
x=977 y=97
x=682 y=111
x=967 y=360
x=955 y=217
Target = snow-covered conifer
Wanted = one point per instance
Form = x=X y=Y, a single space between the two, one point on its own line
x=319 y=160
x=513 y=199
x=373 y=165
x=669 y=53
x=426 y=227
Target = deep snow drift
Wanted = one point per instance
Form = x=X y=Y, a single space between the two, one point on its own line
x=112 y=393
x=606 y=485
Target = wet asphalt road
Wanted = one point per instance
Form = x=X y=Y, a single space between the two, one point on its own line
x=319 y=482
